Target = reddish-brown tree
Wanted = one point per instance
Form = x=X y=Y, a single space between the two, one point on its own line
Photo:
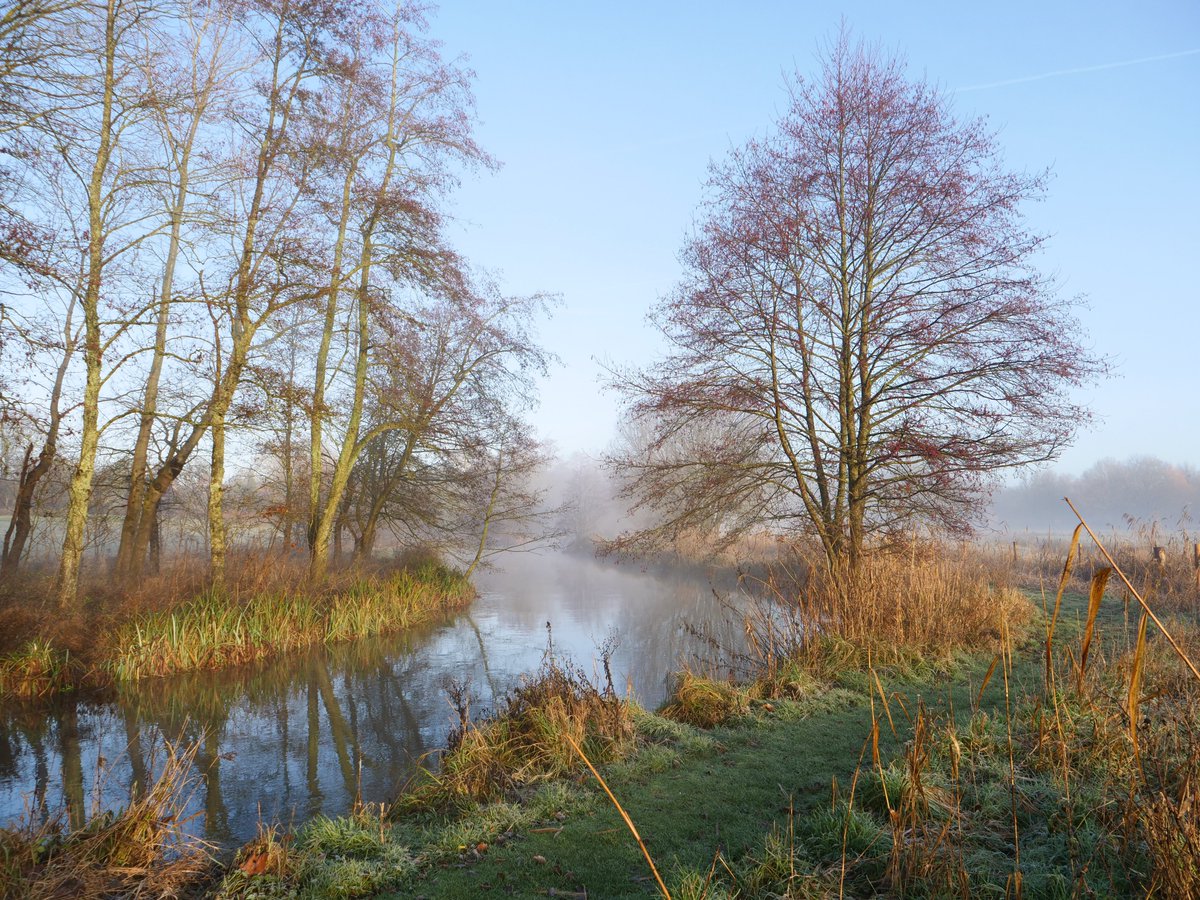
x=861 y=340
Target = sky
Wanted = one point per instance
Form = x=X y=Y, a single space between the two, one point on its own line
x=605 y=118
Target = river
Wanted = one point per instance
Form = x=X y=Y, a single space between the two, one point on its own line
x=302 y=734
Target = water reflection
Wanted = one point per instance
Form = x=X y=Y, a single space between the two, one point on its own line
x=305 y=734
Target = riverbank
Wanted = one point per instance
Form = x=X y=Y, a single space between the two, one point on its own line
x=963 y=773
x=972 y=779
x=109 y=644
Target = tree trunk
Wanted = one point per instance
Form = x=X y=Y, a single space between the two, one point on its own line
x=365 y=550
x=216 y=514
x=129 y=559
x=21 y=521
x=487 y=515
x=21 y=524
x=156 y=542
x=81 y=482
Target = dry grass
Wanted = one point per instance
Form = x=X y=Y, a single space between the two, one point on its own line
x=531 y=737
x=1085 y=787
x=705 y=702
x=1172 y=583
x=141 y=850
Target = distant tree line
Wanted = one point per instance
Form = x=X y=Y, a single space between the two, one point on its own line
x=1134 y=492
x=230 y=311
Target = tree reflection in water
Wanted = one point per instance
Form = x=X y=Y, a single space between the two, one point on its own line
x=303 y=734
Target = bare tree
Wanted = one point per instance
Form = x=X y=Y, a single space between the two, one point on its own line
x=509 y=511
x=861 y=339
x=184 y=86
x=399 y=119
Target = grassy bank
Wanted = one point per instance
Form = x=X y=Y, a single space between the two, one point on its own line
x=967 y=781
x=976 y=769
x=103 y=646
x=1002 y=756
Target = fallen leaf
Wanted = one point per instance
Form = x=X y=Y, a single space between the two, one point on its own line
x=256 y=863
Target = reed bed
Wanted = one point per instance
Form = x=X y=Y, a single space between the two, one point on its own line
x=36 y=671
x=221 y=629
x=1162 y=564
x=914 y=610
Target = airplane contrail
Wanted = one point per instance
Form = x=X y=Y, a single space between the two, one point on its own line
x=1078 y=71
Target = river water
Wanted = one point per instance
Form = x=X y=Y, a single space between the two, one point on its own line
x=299 y=735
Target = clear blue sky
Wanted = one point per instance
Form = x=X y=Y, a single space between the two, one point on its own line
x=605 y=117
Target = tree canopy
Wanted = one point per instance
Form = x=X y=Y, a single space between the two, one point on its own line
x=861 y=339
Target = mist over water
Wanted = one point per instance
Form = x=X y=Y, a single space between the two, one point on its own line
x=299 y=735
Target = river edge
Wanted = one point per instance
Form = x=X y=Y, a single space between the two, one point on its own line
x=791 y=798
x=691 y=793
x=762 y=798
x=223 y=629
x=689 y=790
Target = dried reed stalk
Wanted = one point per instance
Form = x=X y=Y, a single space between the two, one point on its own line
x=624 y=815
x=1095 y=595
x=1134 y=592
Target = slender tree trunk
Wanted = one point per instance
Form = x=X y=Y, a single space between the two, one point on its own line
x=351 y=445
x=216 y=514
x=129 y=559
x=21 y=524
x=156 y=542
x=321 y=373
x=80 y=492
x=21 y=521
x=488 y=512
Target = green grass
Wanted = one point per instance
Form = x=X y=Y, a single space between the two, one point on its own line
x=757 y=789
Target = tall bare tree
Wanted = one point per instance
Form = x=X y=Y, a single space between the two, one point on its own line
x=401 y=117
x=861 y=339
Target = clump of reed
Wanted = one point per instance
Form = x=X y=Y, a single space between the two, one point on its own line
x=705 y=702
x=912 y=610
x=532 y=736
x=221 y=628
x=37 y=670
x=141 y=850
